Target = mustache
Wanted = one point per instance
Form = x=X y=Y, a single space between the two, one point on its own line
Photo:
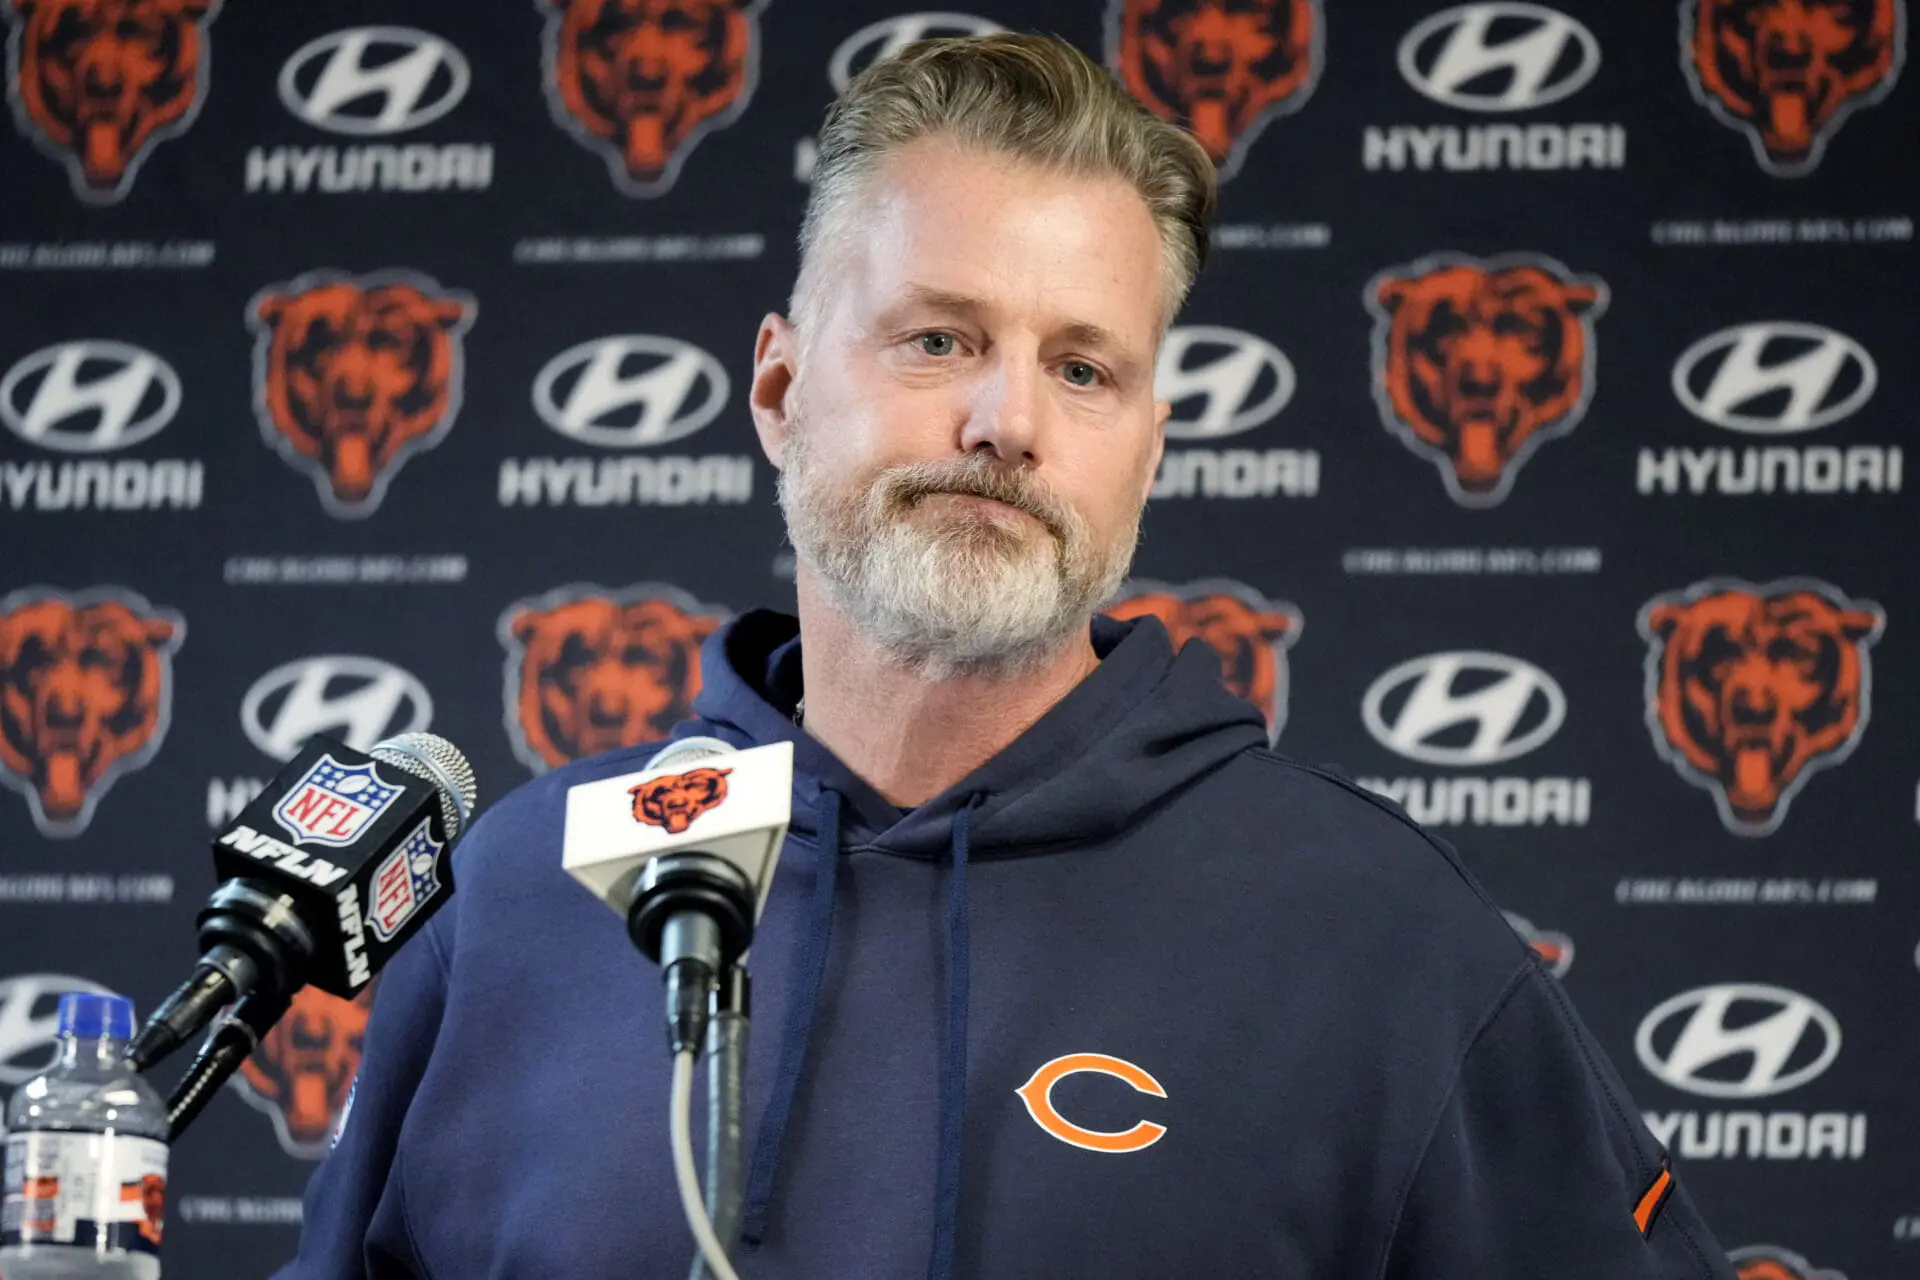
x=975 y=476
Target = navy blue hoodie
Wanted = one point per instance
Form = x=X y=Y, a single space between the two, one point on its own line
x=1137 y=998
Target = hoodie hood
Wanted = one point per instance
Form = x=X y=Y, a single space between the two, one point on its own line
x=1140 y=726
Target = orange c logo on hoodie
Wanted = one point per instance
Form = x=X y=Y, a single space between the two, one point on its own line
x=1037 y=1093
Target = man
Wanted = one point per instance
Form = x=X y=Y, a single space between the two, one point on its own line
x=1063 y=973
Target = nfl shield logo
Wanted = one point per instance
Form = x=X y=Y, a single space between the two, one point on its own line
x=404 y=881
x=334 y=803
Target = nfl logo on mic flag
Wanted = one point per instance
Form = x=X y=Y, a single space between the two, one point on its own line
x=404 y=881
x=334 y=803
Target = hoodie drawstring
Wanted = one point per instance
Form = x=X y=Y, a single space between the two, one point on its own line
x=953 y=1071
x=809 y=967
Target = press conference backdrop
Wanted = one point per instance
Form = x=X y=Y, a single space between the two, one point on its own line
x=1539 y=454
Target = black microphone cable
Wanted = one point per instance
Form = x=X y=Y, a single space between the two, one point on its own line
x=233 y=1039
x=726 y=1113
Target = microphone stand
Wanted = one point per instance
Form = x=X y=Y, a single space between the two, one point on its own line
x=726 y=1112
x=233 y=1038
x=693 y=915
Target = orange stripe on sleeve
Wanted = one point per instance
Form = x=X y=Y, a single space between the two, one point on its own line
x=1652 y=1202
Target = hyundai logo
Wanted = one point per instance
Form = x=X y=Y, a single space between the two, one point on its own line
x=630 y=391
x=889 y=36
x=370 y=81
x=92 y=396
x=356 y=699
x=1737 y=1040
x=1220 y=381
x=1774 y=378
x=1463 y=709
x=1505 y=56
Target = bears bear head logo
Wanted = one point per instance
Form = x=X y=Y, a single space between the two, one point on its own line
x=1554 y=948
x=675 y=800
x=354 y=375
x=1478 y=362
x=1767 y=1262
x=1787 y=72
x=303 y=1069
x=86 y=692
x=1751 y=690
x=99 y=83
x=1248 y=632
x=1223 y=68
x=642 y=81
x=590 y=671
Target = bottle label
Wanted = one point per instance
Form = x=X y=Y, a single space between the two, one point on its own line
x=102 y=1192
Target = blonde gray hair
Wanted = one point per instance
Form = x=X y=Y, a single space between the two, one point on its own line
x=1032 y=97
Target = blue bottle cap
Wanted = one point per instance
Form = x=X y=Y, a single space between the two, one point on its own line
x=90 y=1016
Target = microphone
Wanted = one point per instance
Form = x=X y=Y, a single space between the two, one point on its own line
x=327 y=873
x=684 y=852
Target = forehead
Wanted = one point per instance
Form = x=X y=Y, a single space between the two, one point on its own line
x=1031 y=242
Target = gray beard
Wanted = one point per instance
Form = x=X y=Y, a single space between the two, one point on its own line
x=969 y=597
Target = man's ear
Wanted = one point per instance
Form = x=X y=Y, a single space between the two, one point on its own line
x=776 y=365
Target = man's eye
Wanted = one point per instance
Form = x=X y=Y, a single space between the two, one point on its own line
x=1080 y=374
x=936 y=344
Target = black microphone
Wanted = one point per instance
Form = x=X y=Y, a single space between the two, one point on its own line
x=327 y=873
x=684 y=851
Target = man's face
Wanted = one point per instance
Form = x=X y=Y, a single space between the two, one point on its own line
x=968 y=432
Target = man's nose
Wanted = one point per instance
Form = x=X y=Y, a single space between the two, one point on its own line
x=1009 y=412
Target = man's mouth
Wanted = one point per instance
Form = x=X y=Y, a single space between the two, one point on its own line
x=989 y=499
x=980 y=502
x=994 y=510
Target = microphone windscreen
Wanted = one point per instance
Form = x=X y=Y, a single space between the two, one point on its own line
x=689 y=751
x=439 y=762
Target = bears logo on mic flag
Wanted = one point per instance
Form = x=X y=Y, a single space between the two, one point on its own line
x=676 y=800
x=609 y=839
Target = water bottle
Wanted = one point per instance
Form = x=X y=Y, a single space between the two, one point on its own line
x=86 y=1157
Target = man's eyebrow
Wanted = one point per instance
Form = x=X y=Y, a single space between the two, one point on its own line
x=1083 y=333
x=921 y=295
